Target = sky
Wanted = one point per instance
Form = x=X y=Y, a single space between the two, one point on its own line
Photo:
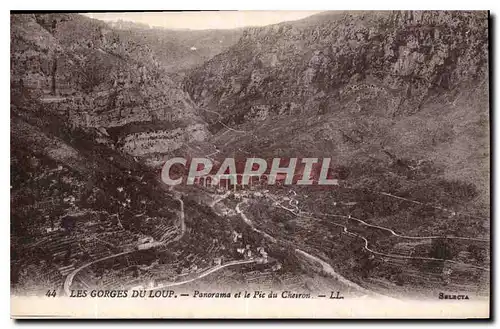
x=205 y=20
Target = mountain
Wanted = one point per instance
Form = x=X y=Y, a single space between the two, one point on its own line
x=398 y=100
x=372 y=90
x=404 y=58
x=97 y=77
x=72 y=80
x=88 y=108
x=179 y=50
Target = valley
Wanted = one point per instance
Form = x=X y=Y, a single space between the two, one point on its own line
x=398 y=100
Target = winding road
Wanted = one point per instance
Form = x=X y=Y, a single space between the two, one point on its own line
x=404 y=236
x=71 y=276
x=219 y=199
x=204 y=274
x=222 y=123
x=382 y=227
x=182 y=216
x=326 y=267
x=69 y=279
x=177 y=196
x=250 y=223
x=425 y=204
x=366 y=247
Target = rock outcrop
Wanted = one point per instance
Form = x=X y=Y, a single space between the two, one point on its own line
x=356 y=85
x=94 y=76
x=331 y=61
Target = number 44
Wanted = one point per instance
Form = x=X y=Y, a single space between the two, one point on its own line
x=51 y=293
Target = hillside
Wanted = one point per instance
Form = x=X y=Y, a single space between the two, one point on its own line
x=97 y=77
x=77 y=195
x=398 y=100
x=179 y=50
x=370 y=89
x=70 y=190
x=86 y=105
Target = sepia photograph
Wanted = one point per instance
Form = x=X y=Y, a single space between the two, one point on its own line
x=250 y=164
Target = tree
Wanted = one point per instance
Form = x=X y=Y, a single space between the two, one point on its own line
x=67 y=256
x=92 y=73
x=442 y=249
x=477 y=252
x=54 y=73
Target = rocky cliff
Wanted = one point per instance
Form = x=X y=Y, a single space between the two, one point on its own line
x=94 y=76
x=397 y=59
